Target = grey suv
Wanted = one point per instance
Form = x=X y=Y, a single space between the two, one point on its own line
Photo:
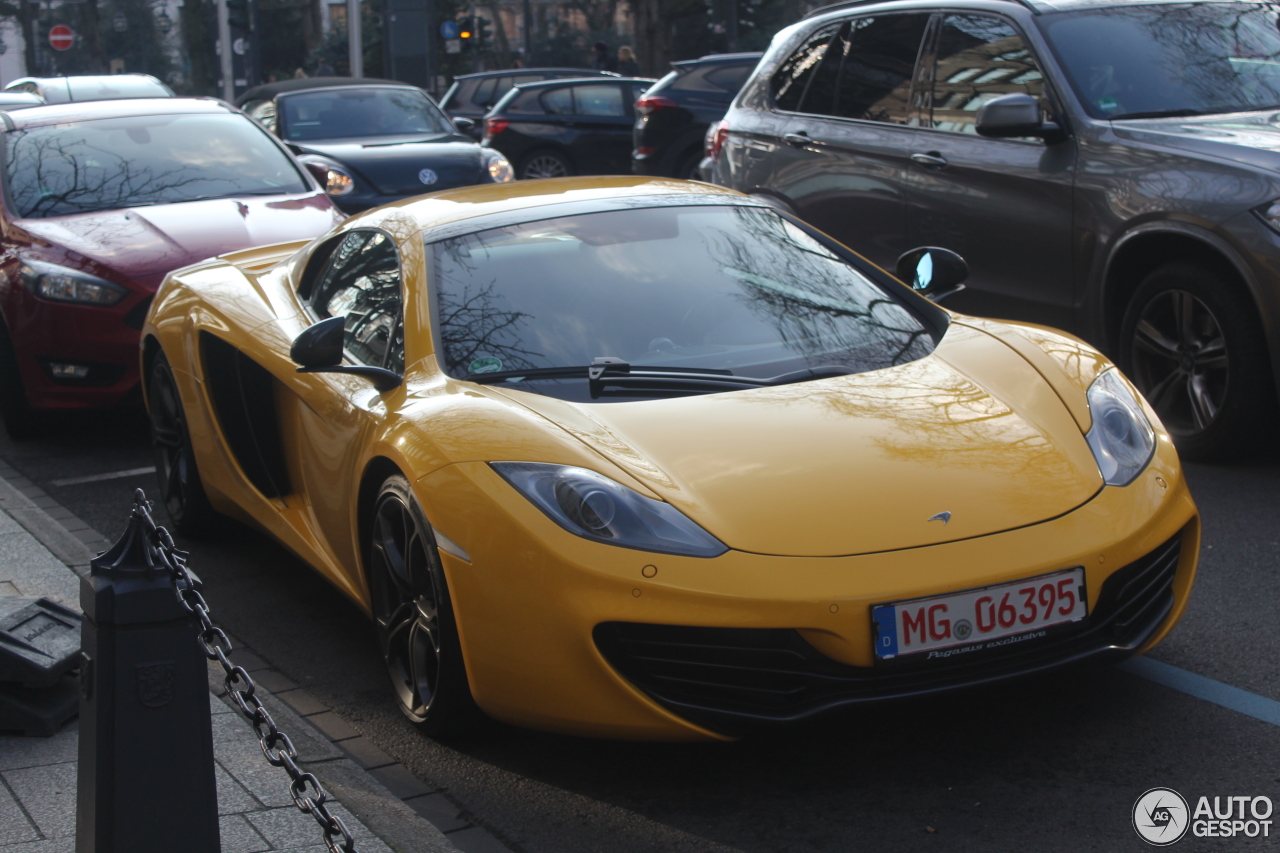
x=1112 y=168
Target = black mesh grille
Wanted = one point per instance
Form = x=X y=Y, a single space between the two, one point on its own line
x=734 y=678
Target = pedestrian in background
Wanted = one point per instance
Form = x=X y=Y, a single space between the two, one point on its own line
x=627 y=65
x=601 y=59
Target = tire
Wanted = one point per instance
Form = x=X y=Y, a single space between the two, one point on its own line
x=688 y=167
x=1192 y=343
x=180 y=489
x=20 y=420
x=545 y=163
x=413 y=616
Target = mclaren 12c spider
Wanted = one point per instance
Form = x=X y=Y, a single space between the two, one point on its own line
x=650 y=459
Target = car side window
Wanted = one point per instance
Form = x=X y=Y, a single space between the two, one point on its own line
x=979 y=57
x=600 y=100
x=558 y=102
x=483 y=95
x=362 y=283
x=729 y=78
x=877 y=67
x=791 y=78
x=264 y=112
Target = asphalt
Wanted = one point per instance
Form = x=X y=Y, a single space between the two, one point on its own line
x=1049 y=763
x=44 y=551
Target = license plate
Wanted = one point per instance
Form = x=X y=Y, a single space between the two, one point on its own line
x=950 y=626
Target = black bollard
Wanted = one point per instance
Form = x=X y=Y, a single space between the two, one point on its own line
x=146 y=782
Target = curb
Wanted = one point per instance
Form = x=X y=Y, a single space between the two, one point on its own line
x=408 y=815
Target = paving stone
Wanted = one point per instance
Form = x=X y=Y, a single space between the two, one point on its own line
x=400 y=781
x=288 y=828
x=232 y=797
x=238 y=835
x=301 y=702
x=365 y=753
x=14 y=826
x=477 y=839
x=273 y=680
x=8 y=525
x=217 y=706
x=49 y=796
x=30 y=567
x=16 y=752
x=333 y=726
x=7 y=588
x=247 y=659
x=53 y=845
x=438 y=810
x=236 y=748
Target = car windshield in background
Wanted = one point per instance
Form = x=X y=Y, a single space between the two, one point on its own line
x=115 y=163
x=733 y=289
x=1147 y=61
x=352 y=113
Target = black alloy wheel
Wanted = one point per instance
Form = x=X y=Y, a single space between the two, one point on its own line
x=180 y=489
x=20 y=420
x=1193 y=346
x=545 y=164
x=413 y=616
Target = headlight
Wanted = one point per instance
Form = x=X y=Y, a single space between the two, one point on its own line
x=500 y=169
x=594 y=507
x=338 y=181
x=62 y=284
x=1121 y=438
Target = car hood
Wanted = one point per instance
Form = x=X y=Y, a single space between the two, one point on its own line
x=158 y=238
x=1251 y=138
x=394 y=166
x=855 y=464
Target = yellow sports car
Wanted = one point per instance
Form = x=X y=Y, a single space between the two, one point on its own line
x=651 y=459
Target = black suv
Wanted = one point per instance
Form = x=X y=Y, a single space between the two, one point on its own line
x=472 y=95
x=1106 y=166
x=673 y=116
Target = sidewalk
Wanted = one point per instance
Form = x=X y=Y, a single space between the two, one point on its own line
x=43 y=550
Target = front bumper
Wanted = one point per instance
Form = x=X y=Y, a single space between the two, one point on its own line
x=554 y=627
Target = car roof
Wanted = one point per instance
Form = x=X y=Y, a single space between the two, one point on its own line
x=515 y=72
x=565 y=81
x=468 y=209
x=1037 y=6
x=718 y=57
x=103 y=77
x=73 y=111
x=267 y=91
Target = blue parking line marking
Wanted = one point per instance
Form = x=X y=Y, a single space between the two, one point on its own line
x=1242 y=701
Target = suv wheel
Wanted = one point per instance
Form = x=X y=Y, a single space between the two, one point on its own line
x=1192 y=344
x=545 y=164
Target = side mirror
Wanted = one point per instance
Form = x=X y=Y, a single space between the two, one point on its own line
x=318 y=171
x=1014 y=115
x=319 y=350
x=466 y=125
x=932 y=272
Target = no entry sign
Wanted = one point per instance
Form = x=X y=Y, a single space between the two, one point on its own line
x=61 y=37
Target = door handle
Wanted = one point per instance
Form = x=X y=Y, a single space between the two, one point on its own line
x=932 y=160
x=800 y=138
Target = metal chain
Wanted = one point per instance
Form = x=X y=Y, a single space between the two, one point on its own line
x=304 y=788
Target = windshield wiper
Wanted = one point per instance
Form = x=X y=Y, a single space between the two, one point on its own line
x=1183 y=113
x=615 y=371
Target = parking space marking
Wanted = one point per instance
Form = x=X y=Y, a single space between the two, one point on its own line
x=114 y=475
x=1242 y=701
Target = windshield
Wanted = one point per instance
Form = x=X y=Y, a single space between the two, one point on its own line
x=1152 y=60
x=350 y=113
x=115 y=163
x=721 y=288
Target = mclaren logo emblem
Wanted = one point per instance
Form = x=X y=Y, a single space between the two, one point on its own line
x=944 y=517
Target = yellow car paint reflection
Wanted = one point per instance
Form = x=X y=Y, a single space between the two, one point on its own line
x=822 y=491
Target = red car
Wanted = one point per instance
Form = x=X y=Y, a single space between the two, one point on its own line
x=101 y=200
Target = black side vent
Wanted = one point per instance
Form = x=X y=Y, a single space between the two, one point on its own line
x=244 y=403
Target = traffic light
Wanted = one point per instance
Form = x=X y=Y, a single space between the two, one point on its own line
x=466 y=32
x=483 y=34
x=239 y=16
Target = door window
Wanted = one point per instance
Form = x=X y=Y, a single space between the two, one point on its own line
x=878 y=64
x=362 y=283
x=600 y=100
x=979 y=58
x=792 y=76
x=558 y=102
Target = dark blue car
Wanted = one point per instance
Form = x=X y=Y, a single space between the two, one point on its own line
x=371 y=142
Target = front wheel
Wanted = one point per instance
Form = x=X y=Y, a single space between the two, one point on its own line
x=413 y=615
x=1192 y=344
x=180 y=488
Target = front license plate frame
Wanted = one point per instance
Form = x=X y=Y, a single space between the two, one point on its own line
x=932 y=628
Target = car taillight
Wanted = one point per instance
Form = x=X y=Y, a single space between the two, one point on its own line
x=494 y=126
x=716 y=135
x=652 y=103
